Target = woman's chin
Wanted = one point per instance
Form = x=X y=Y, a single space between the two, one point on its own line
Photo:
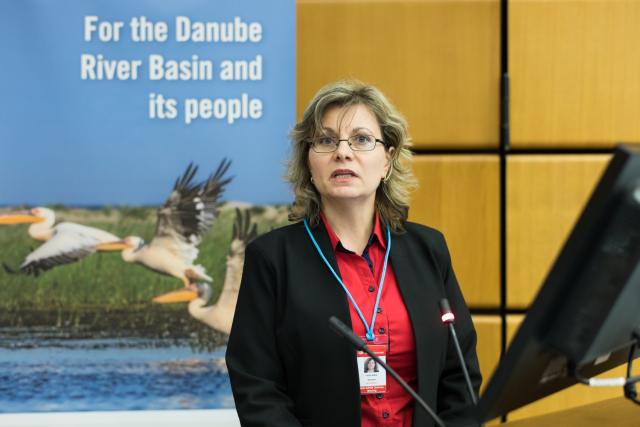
x=348 y=195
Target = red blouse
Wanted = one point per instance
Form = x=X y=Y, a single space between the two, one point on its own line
x=361 y=275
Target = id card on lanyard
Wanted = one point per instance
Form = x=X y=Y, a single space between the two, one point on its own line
x=373 y=378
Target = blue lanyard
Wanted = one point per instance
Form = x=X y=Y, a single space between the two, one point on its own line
x=369 y=328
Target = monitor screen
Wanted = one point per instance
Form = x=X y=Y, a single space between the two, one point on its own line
x=587 y=308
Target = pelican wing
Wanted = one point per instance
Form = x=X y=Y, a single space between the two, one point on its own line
x=192 y=207
x=70 y=243
x=244 y=231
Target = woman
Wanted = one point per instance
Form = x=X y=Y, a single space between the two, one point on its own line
x=370 y=366
x=351 y=254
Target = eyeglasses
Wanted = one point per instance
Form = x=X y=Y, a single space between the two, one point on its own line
x=328 y=144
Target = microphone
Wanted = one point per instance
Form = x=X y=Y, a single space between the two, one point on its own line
x=448 y=318
x=346 y=333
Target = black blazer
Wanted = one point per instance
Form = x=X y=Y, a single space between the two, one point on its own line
x=288 y=368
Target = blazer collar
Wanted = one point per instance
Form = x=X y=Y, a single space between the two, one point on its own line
x=376 y=233
x=324 y=242
x=409 y=278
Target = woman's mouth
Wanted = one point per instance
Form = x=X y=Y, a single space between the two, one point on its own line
x=341 y=174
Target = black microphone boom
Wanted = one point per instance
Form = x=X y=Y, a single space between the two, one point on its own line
x=342 y=330
x=448 y=318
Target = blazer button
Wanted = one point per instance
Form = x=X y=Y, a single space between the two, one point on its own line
x=381 y=330
x=385 y=414
x=379 y=396
x=379 y=310
x=371 y=289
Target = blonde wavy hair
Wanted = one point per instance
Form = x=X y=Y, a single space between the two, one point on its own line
x=392 y=195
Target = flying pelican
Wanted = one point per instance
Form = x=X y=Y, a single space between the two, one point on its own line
x=185 y=217
x=65 y=243
x=219 y=315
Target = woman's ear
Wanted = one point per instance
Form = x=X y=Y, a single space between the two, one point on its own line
x=389 y=154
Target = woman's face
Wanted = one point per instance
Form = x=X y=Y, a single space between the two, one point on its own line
x=371 y=365
x=346 y=175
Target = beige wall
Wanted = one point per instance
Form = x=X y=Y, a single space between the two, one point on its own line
x=574 y=73
x=438 y=61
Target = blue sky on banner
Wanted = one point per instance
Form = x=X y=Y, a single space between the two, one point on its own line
x=107 y=101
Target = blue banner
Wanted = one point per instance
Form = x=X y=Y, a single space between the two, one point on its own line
x=106 y=102
x=108 y=106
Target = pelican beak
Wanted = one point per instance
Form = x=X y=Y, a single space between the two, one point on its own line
x=23 y=217
x=180 y=295
x=113 y=246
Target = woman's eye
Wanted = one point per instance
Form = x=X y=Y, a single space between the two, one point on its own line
x=362 y=139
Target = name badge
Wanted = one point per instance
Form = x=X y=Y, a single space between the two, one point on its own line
x=373 y=377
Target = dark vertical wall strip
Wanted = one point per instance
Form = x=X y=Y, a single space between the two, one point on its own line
x=504 y=149
x=503 y=235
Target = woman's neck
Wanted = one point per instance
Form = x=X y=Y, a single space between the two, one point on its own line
x=353 y=224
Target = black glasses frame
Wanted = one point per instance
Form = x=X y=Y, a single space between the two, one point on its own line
x=337 y=141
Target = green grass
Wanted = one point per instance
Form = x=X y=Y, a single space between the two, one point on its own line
x=104 y=281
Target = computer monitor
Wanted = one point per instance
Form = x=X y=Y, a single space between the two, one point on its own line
x=589 y=305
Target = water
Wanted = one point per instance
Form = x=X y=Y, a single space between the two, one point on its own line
x=45 y=374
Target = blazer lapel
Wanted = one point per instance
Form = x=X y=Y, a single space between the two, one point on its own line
x=339 y=302
x=322 y=238
x=420 y=285
x=329 y=299
x=413 y=291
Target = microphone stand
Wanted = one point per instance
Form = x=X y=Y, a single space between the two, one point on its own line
x=342 y=330
x=448 y=318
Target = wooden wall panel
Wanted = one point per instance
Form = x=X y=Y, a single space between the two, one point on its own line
x=545 y=196
x=460 y=196
x=437 y=60
x=571 y=397
x=618 y=412
x=574 y=68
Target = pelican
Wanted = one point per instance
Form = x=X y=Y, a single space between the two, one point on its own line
x=185 y=217
x=219 y=315
x=65 y=243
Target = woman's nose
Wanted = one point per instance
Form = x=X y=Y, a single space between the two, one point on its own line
x=343 y=150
